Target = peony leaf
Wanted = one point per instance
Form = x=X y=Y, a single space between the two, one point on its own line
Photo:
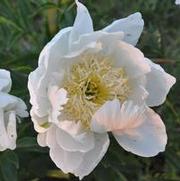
x=9 y=164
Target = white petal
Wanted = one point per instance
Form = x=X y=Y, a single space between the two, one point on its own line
x=147 y=138
x=41 y=124
x=41 y=139
x=132 y=26
x=86 y=40
x=80 y=141
x=11 y=130
x=83 y=22
x=66 y=161
x=131 y=59
x=49 y=62
x=4 y=142
x=58 y=98
x=5 y=80
x=80 y=163
x=177 y=2
x=8 y=133
x=21 y=109
x=138 y=92
x=7 y=101
x=105 y=117
x=93 y=157
x=51 y=137
x=37 y=89
x=158 y=84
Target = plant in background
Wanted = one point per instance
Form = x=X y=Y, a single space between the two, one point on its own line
x=89 y=83
x=11 y=108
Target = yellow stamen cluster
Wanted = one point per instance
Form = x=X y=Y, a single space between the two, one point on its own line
x=90 y=83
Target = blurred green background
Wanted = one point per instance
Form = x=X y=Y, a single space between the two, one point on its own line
x=27 y=25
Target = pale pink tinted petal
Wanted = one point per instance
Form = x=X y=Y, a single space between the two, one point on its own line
x=146 y=139
x=158 y=84
x=113 y=116
x=105 y=117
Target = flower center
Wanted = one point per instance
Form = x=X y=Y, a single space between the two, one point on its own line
x=90 y=83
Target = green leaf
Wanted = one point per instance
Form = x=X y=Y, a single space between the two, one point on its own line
x=7 y=21
x=8 y=166
x=30 y=144
x=27 y=142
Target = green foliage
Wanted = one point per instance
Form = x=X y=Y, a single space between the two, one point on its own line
x=25 y=28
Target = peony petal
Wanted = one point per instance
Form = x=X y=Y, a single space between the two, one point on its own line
x=41 y=139
x=66 y=161
x=158 y=84
x=83 y=23
x=51 y=136
x=177 y=2
x=105 y=117
x=58 y=98
x=132 y=26
x=71 y=141
x=36 y=86
x=80 y=163
x=41 y=124
x=114 y=116
x=11 y=130
x=21 y=109
x=138 y=92
x=4 y=142
x=5 y=81
x=94 y=156
x=131 y=59
x=49 y=61
x=7 y=101
x=94 y=37
x=147 y=138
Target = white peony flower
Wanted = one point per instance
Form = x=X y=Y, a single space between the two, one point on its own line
x=89 y=83
x=177 y=2
x=10 y=108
